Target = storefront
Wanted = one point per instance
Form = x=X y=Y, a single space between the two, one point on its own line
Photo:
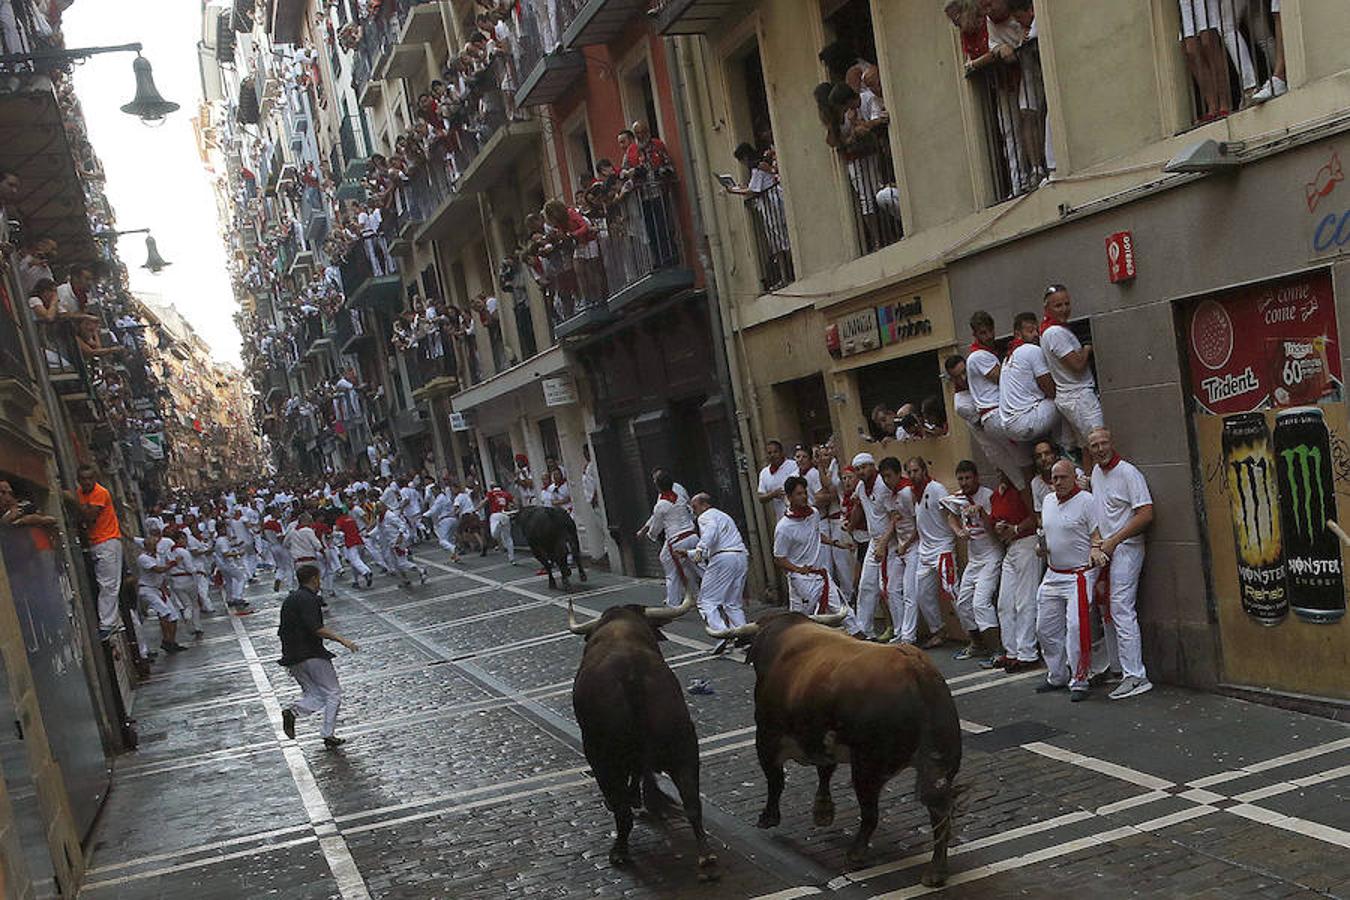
x=1219 y=366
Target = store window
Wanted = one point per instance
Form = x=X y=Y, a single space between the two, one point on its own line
x=904 y=392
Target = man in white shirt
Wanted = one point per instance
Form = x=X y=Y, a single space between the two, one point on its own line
x=463 y=506
x=721 y=550
x=936 y=570
x=182 y=584
x=983 y=374
x=1026 y=389
x=398 y=538
x=797 y=550
x=984 y=564
x=200 y=549
x=1072 y=540
x=302 y=544
x=444 y=519
x=229 y=555
x=672 y=526
x=412 y=508
x=560 y=493
x=1068 y=360
x=879 y=491
x=997 y=450
x=821 y=471
x=1124 y=513
x=150 y=577
x=777 y=470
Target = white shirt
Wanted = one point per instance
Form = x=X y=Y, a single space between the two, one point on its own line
x=413 y=498
x=670 y=519
x=303 y=542
x=1039 y=489
x=66 y=301
x=441 y=506
x=239 y=533
x=935 y=535
x=146 y=577
x=1058 y=342
x=1119 y=492
x=983 y=389
x=183 y=562
x=798 y=540
x=982 y=544
x=560 y=496
x=717 y=534
x=772 y=481
x=966 y=408
x=1017 y=387
x=876 y=506
x=395 y=528
x=814 y=485
x=463 y=503
x=1068 y=529
x=199 y=551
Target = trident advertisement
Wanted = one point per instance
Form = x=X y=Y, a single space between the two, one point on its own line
x=1268 y=346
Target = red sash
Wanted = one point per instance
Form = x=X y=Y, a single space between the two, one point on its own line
x=1084 y=669
x=947 y=575
x=670 y=547
x=824 y=605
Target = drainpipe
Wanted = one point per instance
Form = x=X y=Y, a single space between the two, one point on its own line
x=722 y=316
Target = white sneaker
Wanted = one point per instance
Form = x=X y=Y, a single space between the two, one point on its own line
x=1131 y=686
x=1275 y=87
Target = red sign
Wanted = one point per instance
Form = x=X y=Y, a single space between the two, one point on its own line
x=1266 y=346
x=1120 y=256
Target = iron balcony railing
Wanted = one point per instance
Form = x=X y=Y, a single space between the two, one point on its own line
x=1013 y=110
x=379 y=33
x=350 y=325
x=430 y=357
x=368 y=258
x=875 y=200
x=773 y=249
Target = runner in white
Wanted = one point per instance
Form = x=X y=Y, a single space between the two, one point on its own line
x=672 y=526
x=1026 y=390
x=777 y=469
x=1015 y=526
x=182 y=584
x=881 y=489
x=1072 y=538
x=1124 y=512
x=722 y=549
x=821 y=471
x=984 y=564
x=937 y=549
x=797 y=550
x=996 y=448
x=1068 y=359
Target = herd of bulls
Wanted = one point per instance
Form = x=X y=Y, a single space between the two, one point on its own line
x=821 y=699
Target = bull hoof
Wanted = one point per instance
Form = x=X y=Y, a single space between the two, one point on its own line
x=857 y=856
x=933 y=877
x=822 y=813
x=707 y=868
x=768 y=820
x=619 y=858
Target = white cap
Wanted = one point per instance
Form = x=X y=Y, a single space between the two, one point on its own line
x=863 y=459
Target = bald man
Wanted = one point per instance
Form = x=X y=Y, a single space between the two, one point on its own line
x=1124 y=512
x=721 y=548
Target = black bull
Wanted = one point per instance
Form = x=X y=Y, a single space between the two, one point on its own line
x=634 y=722
x=824 y=698
x=552 y=535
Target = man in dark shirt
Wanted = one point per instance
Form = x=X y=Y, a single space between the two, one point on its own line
x=302 y=634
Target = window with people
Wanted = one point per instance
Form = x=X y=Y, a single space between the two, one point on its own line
x=852 y=109
x=1217 y=39
x=903 y=399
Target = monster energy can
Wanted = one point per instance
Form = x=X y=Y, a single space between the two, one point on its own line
x=1307 y=500
x=1253 y=501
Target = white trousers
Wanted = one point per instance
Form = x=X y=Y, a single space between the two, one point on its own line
x=1032 y=425
x=285 y=567
x=319 y=690
x=250 y=561
x=1064 y=627
x=1082 y=411
x=804 y=597
x=882 y=581
x=979 y=587
x=499 y=523
x=204 y=592
x=379 y=548
x=234 y=576
x=926 y=581
x=359 y=567
x=184 y=593
x=446 y=529
x=108 y=574
x=998 y=448
x=154 y=598
x=1021 y=576
x=674 y=567
x=721 y=593
x=840 y=563
x=402 y=563
x=1123 y=644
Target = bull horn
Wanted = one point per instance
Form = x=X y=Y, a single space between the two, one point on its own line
x=572 y=626
x=670 y=613
x=748 y=630
x=830 y=619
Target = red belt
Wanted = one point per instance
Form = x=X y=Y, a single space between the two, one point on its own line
x=985 y=412
x=1084 y=668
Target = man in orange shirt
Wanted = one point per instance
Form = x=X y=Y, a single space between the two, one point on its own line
x=104 y=534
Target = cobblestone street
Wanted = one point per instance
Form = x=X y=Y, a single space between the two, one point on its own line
x=463 y=775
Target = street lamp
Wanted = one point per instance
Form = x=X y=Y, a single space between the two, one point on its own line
x=153 y=261
x=147 y=105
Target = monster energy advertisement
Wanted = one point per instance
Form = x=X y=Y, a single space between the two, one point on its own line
x=1253 y=500
x=1307 y=500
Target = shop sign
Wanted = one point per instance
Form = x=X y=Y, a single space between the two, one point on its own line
x=458 y=422
x=559 y=390
x=153 y=445
x=899 y=322
x=1120 y=257
x=1267 y=346
x=857 y=332
x=1331 y=233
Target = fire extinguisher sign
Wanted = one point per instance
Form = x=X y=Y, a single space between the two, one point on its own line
x=1120 y=257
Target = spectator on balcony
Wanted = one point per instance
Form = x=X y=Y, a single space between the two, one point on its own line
x=862 y=130
x=35 y=264
x=1202 y=41
x=764 y=197
x=965 y=15
x=16 y=513
x=1031 y=103
x=73 y=296
x=649 y=165
x=578 y=234
x=88 y=339
x=1276 y=85
x=43 y=301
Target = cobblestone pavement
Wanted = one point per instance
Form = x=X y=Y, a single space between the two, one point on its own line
x=463 y=775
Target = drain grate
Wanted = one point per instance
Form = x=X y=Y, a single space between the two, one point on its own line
x=1014 y=734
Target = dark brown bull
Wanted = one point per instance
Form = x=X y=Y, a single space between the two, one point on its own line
x=824 y=698
x=634 y=721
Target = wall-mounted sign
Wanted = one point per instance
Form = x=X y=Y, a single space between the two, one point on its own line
x=1266 y=346
x=877 y=326
x=458 y=422
x=1331 y=231
x=898 y=322
x=858 y=332
x=1120 y=257
x=559 y=390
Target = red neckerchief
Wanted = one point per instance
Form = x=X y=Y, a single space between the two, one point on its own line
x=1075 y=490
x=1110 y=463
x=1049 y=321
x=976 y=345
x=918 y=489
x=802 y=472
x=793 y=514
x=901 y=485
x=669 y=496
x=1013 y=345
x=774 y=467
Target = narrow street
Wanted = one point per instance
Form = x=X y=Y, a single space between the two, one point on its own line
x=463 y=775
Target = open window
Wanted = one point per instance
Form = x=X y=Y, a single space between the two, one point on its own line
x=1233 y=52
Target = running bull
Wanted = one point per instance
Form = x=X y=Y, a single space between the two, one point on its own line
x=552 y=535
x=823 y=698
x=634 y=721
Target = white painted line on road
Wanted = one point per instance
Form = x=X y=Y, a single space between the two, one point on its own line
x=1304 y=827
x=1123 y=773
x=974 y=727
x=506 y=786
x=465 y=807
x=201 y=848
x=1284 y=787
x=335 y=850
x=790 y=894
x=1274 y=763
x=1131 y=802
x=194 y=864
x=998 y=682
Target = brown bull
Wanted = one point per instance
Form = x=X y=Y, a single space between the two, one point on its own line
x=823 y=698
x=634 y=721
